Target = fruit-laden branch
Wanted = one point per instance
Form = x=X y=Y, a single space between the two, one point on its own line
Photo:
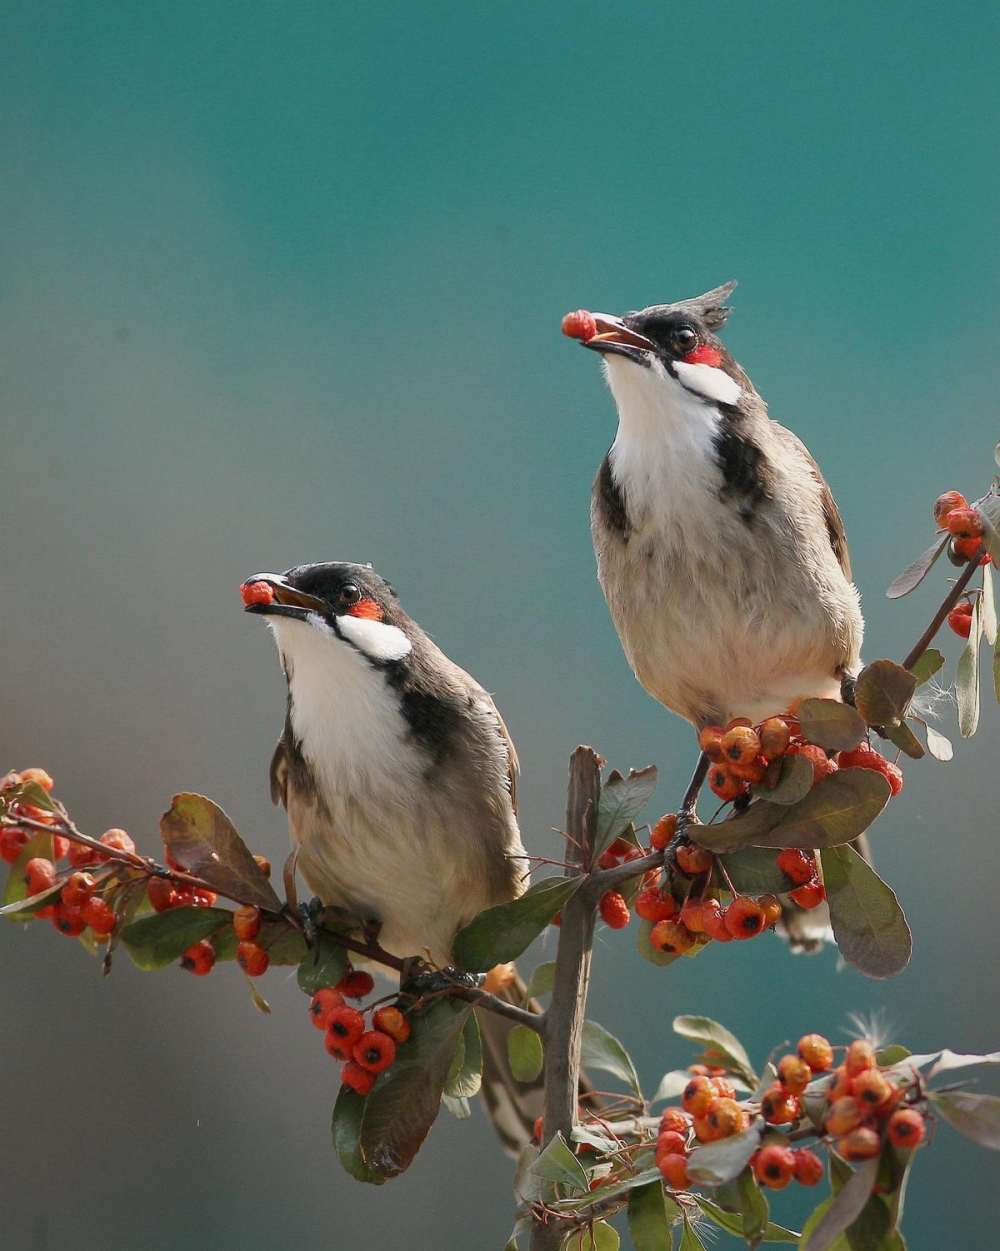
x=940 y=616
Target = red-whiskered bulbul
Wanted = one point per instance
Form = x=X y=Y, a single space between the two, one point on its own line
x=398 y=777
x=719 y=546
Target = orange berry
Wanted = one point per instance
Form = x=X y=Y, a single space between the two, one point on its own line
x=752 y=772
x=817 y=757
x=964 y=523
x=774 y=1166
x=653 y=904
x=744 y=917
x=771 y=905
x=843 y=1116
x=810 y=895
x=204 y=898
x=724 y=1088
x=253 y=960
x=906 y=1128
x=81 y=856
x=725 y=1117
x=778 y=1107
x=68 y=920
x=816 y=1051
x=740 y=745
x=808 y=1167
x=839 y=1085
x=374 y=1051
x=199 y=959
x=257 y=593
x=872 y=1089
x=860 y=1144
x=675 y=1171
x=37 y=775
x=162 y=894
x=392 y=1022
x=60 y=846
x=12 y=842
x=675 y=1119
x=264 y=865
x=860 y=1056
x=946 y=503
x=725 y=784
x=713 y=920
x=356 y=984
x=346 y=1024
x=796 y=864
x=794 y=1074
x=539 y=1127
x=77 y=887
x=614 y=910
x=98 y=914
x=697 y=1095
x=692 y=859
x=117 y=839
x=670 y=937
x=710 y=742
x=39 y=875
x=579 y=324
x=359 y=1079
x=322 y=1004
x=670 y=1142
x=967 y=547
x=961 y=621
x=246 y=921
x=663 y=831
x=691 y=915
x=774 y=738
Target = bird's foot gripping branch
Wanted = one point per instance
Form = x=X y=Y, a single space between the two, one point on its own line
x=797 y=789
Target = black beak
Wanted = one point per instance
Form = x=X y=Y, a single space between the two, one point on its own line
x=272 y=595
x=615 y=338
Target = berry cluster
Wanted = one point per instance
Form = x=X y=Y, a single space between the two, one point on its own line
x=613 y=907
x=963 y=524
x=859 y=1110
x=365 y=1051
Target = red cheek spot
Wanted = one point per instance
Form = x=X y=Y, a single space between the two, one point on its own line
x=704 y=355
x=366 y=608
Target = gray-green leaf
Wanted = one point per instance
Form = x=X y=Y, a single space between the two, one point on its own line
x=725 y=1048
x=967 y=679
x=868 y=923
x=501 y=934
x=601 y=1050
x=975 y=1116
x=525 y=1053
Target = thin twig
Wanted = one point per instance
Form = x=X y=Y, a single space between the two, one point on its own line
x=939 y=617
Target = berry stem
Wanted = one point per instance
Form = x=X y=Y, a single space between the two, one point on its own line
x=938 y=620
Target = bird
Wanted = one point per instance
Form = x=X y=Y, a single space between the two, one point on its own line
x=720 y=549
x=398 y=777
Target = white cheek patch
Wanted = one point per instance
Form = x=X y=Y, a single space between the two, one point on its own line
x=375 y=639
x=708 y=382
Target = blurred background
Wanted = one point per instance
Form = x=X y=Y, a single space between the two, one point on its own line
x=283 y=284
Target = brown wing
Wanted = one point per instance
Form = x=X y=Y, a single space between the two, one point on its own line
x=831 y=513
x=512 y=762
x=279 y=774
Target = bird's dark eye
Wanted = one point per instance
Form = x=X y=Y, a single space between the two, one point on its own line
x=683 y=339
x=349 y=594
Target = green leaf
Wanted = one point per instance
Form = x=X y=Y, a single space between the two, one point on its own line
x=257 y=999
x=931 y=661
x=989 y=607
x=16 y=899
x=347 y=1114
x=886 y=1056
x=501 y=934
x=459 y=1107
x=904 y=738
x=754 y=870
x=155 y=941
x=324 y=965
x=967 y=680
x=868 y=923
x=650 y=1213
x=601 y=1050
x=831 y=724
x=597 y=1237
x=883 y=692
x=732 y=1222
x=525 y=1053
x=466 y=1076
x=606 y=1193
x=689 y=1239
x=844 y=1210
x=283 y=943
x=835 y=811
x=542 y=980
x=914 y=574
x=405 y=1100
x=203 y=840
x=716 y=1163
x=989 y=510
x=559 y=1165
x=671 y=1085
x=742 y=1195
x=795 y=779
x=522 y=1228
x=621 y=801
x=975 y=1116
x=724 y=1047
x=31 y=794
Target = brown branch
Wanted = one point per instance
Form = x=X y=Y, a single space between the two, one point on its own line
x=572 y=975
x=939 y=617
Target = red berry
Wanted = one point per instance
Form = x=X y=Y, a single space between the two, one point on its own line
x=860 y=1144
x=67 y=920
x=817 y=757
x=906 y=1128
x=809 y=895
x=257 y=593
x=691 y=915
x=676 y=1120
x=358 y=1078
x=697 y=1095
x=199 y=959
x=797 y=864
x=162 y=894
x=964 y=523
x=808 y=1167
x=740 y=745
x=117 y=839
x=37 y=775
x=967 y=548
x=98 y=914
x=710 y=742
x=725 y=784
x=844 y=1115
x=346 y=1024
x=816 y=1051
x=39 y=875
x=692 y=859
x=670 y=1142
x=356 y=984
x=60 y=846
x=872 y=1089
x=713 y=920
x=246 y=921
x=774 y=1166
x=579 y=325
x=12 y=842
x=374 y=1051
x=614 y=910
x=675 y=1171
x=670 y=937
x=946 y=503
x=961 y=621
x=253 y=960
x=392 y=1022
x=81 y=856
x=322 y=1004
x=744 y=917
x=653 y=904
x=77 y=887
x=663 y=831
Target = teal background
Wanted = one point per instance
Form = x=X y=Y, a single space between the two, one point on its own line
x=283 y=283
